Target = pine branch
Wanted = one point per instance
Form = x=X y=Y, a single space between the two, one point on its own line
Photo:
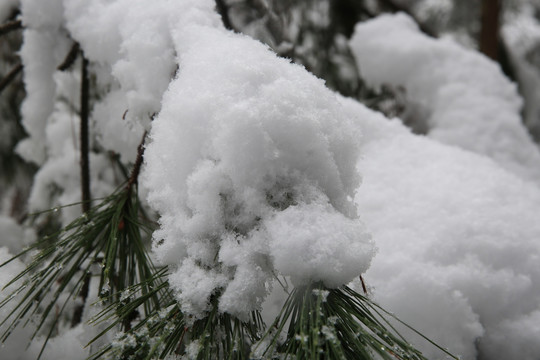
x=323 y=323
x=10 y=26
x=70 y=58
x=109 y=234
x=6 y=80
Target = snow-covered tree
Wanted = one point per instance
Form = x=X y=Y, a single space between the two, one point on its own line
x=197 y=191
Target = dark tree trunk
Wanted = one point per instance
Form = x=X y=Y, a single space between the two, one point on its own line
x=489 y=33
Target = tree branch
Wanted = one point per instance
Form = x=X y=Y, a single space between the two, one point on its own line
x=10 y=26
x=489 y=33
x=133 y=178
x=85 y=177
x=70 y=58
x=6 y=80
x=85 y=150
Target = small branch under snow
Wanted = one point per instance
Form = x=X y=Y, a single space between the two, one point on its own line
x=137 y=166
x=10 y=26
x=10 y=76
x=70 y=58
x=85 y=164
x=85 y=178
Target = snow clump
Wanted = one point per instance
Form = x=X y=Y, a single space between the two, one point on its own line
x=252 y=167
x=468 y=100
x=457 y=239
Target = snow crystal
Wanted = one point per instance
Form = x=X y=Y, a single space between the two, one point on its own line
x=470 y=102
x=195 y=285
x=329 y=333
x=246 y=155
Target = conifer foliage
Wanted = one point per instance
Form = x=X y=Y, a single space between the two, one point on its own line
x=193 y=193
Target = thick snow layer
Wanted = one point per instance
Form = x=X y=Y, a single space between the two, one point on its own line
x=470 y=102
x=133 y=42
x=457 y=238
x=248 y=154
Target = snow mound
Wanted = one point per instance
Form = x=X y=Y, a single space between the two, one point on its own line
x=470 y=103
x=458 y=242
x=248 y=153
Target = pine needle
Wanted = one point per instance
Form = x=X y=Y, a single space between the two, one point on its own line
x=109 y=235
x=321 y=323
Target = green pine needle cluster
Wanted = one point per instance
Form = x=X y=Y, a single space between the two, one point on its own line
x=108 y=237
x=109 y=242
x=337 y=323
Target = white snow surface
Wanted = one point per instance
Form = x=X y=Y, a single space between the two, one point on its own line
x=458 y=241
x=470 y=103
x=250 y=169
x=248 y=153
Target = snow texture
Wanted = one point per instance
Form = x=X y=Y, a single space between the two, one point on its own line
x=470 y=103
x=254 y=168
x=457 y=239
x=246 y=155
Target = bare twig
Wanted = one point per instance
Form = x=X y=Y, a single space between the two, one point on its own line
x=364 y=288
x=70 y=58
x=10 y=76
x=10 y=26
x=137 y=166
